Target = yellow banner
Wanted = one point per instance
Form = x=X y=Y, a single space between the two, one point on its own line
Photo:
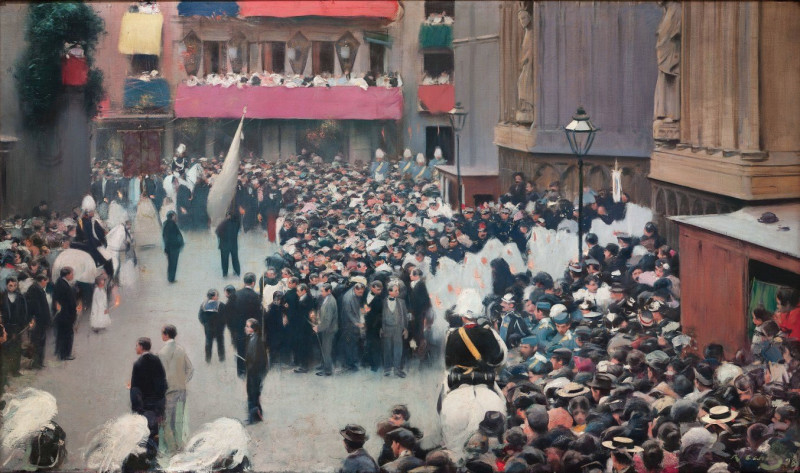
x=140 y=33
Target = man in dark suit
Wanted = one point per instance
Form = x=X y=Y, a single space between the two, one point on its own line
x=419 y=304
x=594 y=251
x=373 y=314
x=39 y=311
x=148 y=386
x=15 y=319
x=227 y=235
x=256 y=364
x=173 y=243
x=394 y=330
x=248 y=306
x=326 y=328
x=351 y=325
x=66 y=310
x=300 y=327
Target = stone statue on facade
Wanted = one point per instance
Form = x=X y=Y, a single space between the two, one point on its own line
x=667 y=103
x=525 y=82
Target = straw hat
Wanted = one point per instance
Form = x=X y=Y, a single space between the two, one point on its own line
x=719 y=415
x=622 y=443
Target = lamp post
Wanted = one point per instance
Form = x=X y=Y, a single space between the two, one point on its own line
x=458 y=116
x=580 y=134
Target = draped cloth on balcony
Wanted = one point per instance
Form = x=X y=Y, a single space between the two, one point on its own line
x=435 y=36
x=330 y=8
x=140 y=33
x=208 y=9
x=437 y=98
x=314 y=103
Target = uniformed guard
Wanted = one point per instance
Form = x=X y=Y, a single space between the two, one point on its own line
x=564 y=337
x=474 y=351
x=544 y=328
x=512 y=322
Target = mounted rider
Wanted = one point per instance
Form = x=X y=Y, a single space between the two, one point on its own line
x=90 y=235
x=474 y=352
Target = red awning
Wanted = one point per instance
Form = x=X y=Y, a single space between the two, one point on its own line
x=330 y=8
x=437 y=98
x=314 y=103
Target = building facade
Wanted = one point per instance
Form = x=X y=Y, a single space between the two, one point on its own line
x=557 y=56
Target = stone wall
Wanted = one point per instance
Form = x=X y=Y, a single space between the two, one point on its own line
x=544 y=169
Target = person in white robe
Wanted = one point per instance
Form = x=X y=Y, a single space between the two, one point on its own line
x=99 y=318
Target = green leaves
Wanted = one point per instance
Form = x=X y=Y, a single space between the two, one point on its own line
x=38 y=71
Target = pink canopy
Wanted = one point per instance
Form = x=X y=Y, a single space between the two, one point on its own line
x=315 y=103
x=330 y=8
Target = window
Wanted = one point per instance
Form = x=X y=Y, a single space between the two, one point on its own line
x=377 y=58
x=441 y=136
x=438 y=7
x=273 y=56
x=323 y=57
x=434 y=64
x=215 y=57
x=143 y=63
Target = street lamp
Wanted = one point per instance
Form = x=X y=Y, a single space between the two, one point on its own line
x=458 y=116
x=580 y=134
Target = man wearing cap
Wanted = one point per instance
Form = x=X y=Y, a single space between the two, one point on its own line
x=561 y=359
x=563 y=337
x=544 y=329
x=512 y=323
x=403 y=443
x=358 y=460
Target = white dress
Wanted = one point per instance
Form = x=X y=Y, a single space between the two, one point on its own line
x=99 y=318
x=147 y=226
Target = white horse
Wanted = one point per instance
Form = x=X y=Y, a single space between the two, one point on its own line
x=117 y=241
x=191 y=179
x=462 y=410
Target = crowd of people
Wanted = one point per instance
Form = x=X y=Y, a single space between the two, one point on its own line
x=375 y=272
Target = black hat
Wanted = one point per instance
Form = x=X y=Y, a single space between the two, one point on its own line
x=493 y=423
x=602 y=382
x=768 y=217
x=402 y=436
x=354 y=433
x=591 y=238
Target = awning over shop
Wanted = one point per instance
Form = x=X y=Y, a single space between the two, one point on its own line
x=316 y=103
x=437 y=98
x=208 y=9
x=435 y=36
x=140 y=33
x=330 y=8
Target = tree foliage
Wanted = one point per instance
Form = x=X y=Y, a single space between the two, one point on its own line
x=49 y=27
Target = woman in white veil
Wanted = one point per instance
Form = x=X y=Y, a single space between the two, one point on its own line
x=147 y=224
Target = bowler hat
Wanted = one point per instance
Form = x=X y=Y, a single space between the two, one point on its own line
x=768 y=217
x=493 y=423
x=354 y=433
x=601 y=382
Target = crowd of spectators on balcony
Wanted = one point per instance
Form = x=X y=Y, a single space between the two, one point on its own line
x=274 y=79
